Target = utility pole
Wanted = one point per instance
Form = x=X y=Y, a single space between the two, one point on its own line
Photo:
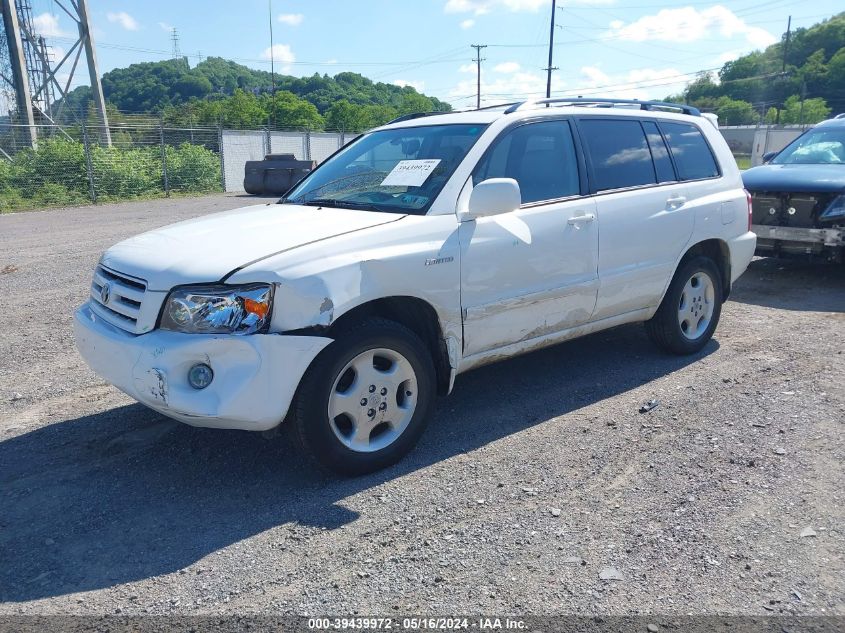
x=803 y=97
x=550 y=68
x=786 y=43
x=478 y=59
x=783 y=63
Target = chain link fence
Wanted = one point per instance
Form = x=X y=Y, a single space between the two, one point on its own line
x=83 y=164
x=72 y=165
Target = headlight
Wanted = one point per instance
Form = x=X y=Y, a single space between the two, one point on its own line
x=835 y=209
x=218 y=309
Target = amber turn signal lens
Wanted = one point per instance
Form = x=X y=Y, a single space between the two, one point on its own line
x=256 y=307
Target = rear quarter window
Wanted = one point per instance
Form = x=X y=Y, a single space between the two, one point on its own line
x=693 y=156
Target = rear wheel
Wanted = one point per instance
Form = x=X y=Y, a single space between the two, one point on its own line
x=366 y=399
x=689 y=313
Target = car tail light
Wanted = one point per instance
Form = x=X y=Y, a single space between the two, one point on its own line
x=748 y=199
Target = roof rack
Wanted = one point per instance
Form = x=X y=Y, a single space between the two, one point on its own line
x=413 y=115
x=494 y=107
x=605 y=103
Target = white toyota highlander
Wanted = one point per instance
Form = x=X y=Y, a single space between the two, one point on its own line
x=420 y=250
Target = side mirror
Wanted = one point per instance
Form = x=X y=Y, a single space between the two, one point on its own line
x=493 y=197
x=769 y=156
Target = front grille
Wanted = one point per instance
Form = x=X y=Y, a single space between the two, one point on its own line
x=120 y=302
x=788 y=209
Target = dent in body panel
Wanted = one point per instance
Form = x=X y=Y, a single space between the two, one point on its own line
x=530 y=316
x=316 y=286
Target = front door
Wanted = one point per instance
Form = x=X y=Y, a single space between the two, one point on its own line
x=533 y=271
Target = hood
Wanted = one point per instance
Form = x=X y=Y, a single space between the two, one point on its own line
x=207 y=249
x=796 y=178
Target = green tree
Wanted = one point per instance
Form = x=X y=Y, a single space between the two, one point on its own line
x=348 y=117
x=286 y=110
x=734 y=112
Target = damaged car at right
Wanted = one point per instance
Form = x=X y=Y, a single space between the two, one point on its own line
x=798 y=196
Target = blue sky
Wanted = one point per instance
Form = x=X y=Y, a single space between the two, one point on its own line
x=638 y=48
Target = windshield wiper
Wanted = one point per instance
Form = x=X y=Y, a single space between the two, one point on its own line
x=342 y=204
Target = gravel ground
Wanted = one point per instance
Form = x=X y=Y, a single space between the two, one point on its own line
x=538 y=488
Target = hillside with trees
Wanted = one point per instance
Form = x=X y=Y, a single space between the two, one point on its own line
x=219 y=91
x=805 y=85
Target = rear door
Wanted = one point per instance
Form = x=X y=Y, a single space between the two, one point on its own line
x=533 y=271
x=642 y=207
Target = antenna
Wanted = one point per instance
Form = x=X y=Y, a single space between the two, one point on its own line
x=272 y=66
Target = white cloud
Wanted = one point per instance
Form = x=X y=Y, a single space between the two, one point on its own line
x=688 y=24
x=331 y=61
x=123 y=19
x=279 y=53
x=728 y=56
x=507 y=68
x=164 y=26
x=47 y=25
x=482 y=7
x=641 y=83
x=416 y=85
x=467 y=24
x=519 y=85
x=467 y=68
x=291 y=19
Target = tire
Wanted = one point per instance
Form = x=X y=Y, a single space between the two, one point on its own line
x=690 y=311
x=379 y=380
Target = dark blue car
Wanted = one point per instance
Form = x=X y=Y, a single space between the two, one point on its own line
x=798 y=196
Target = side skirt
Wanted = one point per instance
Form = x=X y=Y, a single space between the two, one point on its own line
x=530 y=345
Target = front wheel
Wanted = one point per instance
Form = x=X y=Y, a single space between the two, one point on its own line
x=689 y=313
x=366 y=399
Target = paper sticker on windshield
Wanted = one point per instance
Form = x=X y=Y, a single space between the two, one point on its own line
x=410 y=173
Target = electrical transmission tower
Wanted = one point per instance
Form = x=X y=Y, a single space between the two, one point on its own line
x=177 y=51
x=174 y=37
x=28 y=70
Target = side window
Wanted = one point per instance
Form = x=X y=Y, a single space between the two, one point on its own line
x=691 y=153
x=618 y=152
x=539 y=156
x=659 y=153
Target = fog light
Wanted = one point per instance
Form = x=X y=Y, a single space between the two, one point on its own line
x=200 y=376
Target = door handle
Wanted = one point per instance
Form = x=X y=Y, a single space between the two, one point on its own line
x=675 y=202
x=576 y=220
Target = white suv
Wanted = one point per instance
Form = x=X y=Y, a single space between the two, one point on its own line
x=423 y=249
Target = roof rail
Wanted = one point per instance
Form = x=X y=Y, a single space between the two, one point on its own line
x=606 y=103
x=493 y=107
x=413 y=115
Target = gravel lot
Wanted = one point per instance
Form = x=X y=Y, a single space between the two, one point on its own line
x=536 y=478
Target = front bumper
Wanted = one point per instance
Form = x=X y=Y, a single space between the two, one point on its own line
x=255 y=376
x=824 y=237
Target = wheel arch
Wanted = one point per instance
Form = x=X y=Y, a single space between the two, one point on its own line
x=418 y=315
x=717 y=250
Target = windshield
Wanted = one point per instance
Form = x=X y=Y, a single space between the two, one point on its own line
x=398 y=171
x=817 y=147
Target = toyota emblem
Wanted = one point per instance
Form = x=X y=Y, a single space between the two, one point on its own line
x=105 y=292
